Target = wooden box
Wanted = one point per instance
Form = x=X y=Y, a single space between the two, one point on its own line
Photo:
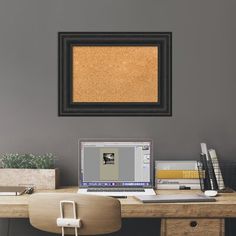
x=39 y=178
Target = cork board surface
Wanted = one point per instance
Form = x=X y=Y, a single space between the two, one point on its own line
x=115 y=74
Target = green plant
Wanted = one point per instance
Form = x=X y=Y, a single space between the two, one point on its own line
x=27 y=161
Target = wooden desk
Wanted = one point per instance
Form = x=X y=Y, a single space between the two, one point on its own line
x=177 y=218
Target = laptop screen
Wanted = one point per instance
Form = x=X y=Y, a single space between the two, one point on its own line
x=115 y=163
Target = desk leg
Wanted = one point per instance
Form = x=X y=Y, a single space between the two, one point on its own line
x=193 y=227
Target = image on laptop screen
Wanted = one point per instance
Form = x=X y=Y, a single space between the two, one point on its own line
x=115 y=163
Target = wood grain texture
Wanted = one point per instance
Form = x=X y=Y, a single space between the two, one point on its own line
x=224 y=207
x=192 y=227
x=98 y=214
x=115 y=74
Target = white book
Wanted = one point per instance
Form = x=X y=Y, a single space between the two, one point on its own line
x=177 y=181
x=177 y=186
x=176 y=165
x=217 y=170
x=205 y=150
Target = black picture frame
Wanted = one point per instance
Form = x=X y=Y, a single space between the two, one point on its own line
x=163 y=40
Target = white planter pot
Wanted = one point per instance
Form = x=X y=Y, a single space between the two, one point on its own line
x=39 y=178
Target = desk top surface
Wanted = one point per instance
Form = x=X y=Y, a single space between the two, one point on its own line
x=225 y=206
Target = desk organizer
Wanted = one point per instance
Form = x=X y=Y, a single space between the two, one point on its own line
x=222 y=176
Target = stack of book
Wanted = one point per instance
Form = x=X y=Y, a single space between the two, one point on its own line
x=177 y=175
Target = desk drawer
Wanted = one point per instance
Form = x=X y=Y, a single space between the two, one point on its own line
x=192 y=227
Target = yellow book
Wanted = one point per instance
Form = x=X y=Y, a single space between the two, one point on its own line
x=179 y=174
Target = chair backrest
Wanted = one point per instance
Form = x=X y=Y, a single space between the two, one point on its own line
x=98 y=214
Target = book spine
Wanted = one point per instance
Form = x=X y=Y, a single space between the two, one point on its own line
x=212 y=174
x=178 y=174
x=178 y=186
x=207 y=183
x=178 y=181
x=200 y=169
x=217 y=170
x=176 y=165
x=207 y=165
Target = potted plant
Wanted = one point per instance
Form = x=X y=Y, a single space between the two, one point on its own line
x=29 y=170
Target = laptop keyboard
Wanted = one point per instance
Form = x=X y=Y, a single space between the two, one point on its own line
x=115 y=190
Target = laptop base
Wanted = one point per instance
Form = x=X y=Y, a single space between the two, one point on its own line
x=147 y=191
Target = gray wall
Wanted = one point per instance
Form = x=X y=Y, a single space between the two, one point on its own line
x=204 y=82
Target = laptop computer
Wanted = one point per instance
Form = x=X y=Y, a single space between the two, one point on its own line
x=116 y=167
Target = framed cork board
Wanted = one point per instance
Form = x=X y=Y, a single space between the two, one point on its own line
x=114 y=74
